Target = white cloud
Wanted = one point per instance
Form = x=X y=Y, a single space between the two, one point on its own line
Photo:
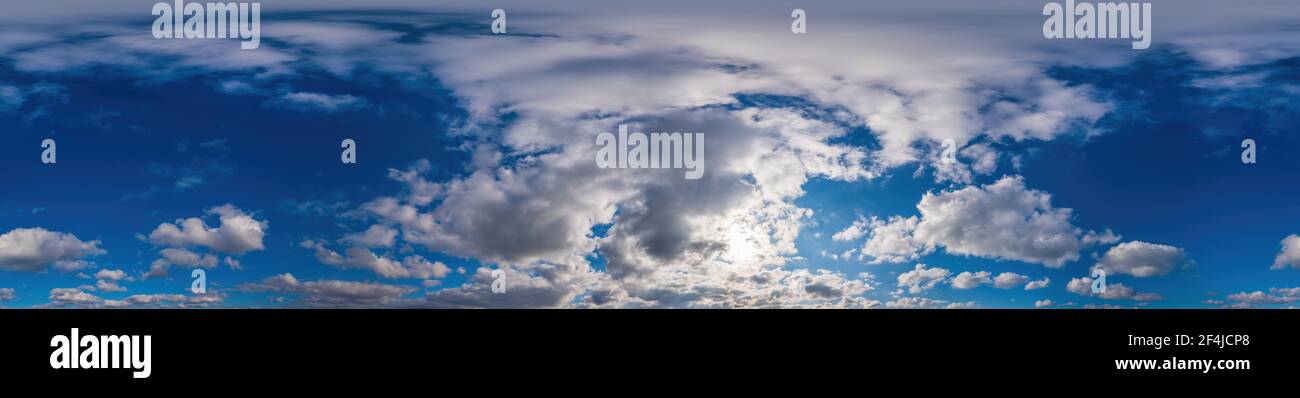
x=522 y=291
x=159 y=300
x=1232 y=81
x=14 y=98
x=120 y=48
x=71 y=265
x=108 y=286
x=1038 y=284
x=1002 y=220
x=33 y=249
x=332 y=292
x=1042 y=303
x=70 y=296
x=734 y=224
x=420 y=191
x=537 y=213
x=111 y=274
x=1114 y=291
x=413 y=266
x=233 y=263
x=894 y=241
x=419 y=267
x=1289 y=256
x=969 y=280
x=920 y=278
x=80 y=297
x=328 y=103
x=922 y=302
x=771 y=288
x=852 y=232
x=182 y=257
x=107 y=280
x=7 y=294
x=237 y=233
x=375 y=236
x=1273 y=296
x=1141 y=259
x=1100 y=238
x=1008 y=280
x=673 y=242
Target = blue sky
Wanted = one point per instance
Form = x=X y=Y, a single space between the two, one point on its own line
x=825 y=182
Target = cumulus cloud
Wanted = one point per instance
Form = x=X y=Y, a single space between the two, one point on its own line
x=1114 y=291
x=719 y=241
x=7 y=294
x=1042 y=303
x=107 y=286
x=522 y=291
x=34 y=249
x=166 y=300
x=375 y=236
x=1008 y=280
x=107 y=280
x=421 y=191
x=852 y=232
x=1141 y=259
x=971 y=280
x=236 y=233
x=1003 y=220
x=331 y=292
x=921 y=278
x=1005 y=280
x=72 y=296
x=894 y=240
x=413 y=266
x=735 y=223
x=537 y=213
x=1273 y=296
x=922 y=302
x=1289 y=256
x=1038 y=284
x=181 y=257
x=769 y=288
x=82 y=298
x=111 y=274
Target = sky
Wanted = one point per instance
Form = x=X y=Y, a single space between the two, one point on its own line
x=899 y=154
